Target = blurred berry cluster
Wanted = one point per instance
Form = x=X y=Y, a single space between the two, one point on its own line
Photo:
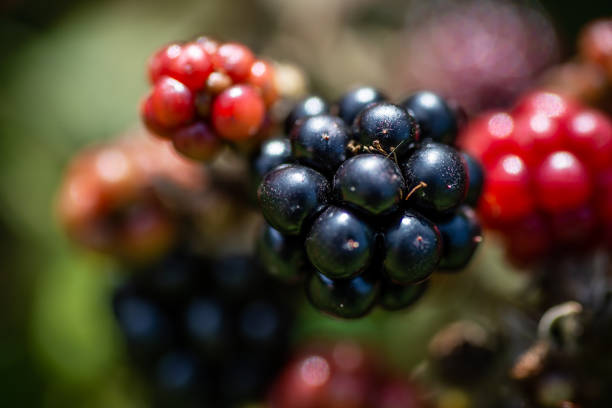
x=549 y=163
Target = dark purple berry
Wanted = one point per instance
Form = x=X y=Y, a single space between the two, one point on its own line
x=396 y=297
x=290 y=195
x=437 y=176
x=260 y=323
x=282 y=256
x=320 y=142
x=356 y=100
x=273 y=153
x=388 y=125
x=436 y=119
x=413 y=248
x=345 y=298
x=370 y=182
x=207 y=326
x=475 y=179
x=339 y=244
x=461 y=235
x=310 y=106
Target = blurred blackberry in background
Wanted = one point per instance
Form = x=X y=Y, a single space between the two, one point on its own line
x=367 y=204
x=205 y=332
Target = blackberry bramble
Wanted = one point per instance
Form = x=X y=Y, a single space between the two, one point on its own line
x=204 y=332
x=205 y=93
x=367 y=204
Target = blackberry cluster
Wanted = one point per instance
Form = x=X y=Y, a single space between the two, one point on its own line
x=368 y=202
x=110 y=200
x=205 y=332
x=549 y=175
x=205 y=92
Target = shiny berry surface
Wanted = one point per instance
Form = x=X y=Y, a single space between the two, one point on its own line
x=238 y=113
x=461 y=235
x=589 y=137
x=310 y=106
x=389 y=125
x=235 y=60
x=370 y=182
x=476 y=179
x=196 y=141
x=262 y=76
x=438 y=175
x=191 y=66
x=397 y=297
x=507 y=195
x=354 y=101
x=320 y=142
x=283 y=256
x=562 y=182
x=289 y=196
x=160 y=60
x=436 y=119
x=273 y=152
x=339 y=245
x=413 y=248
x=172 y=103
x=346 y=298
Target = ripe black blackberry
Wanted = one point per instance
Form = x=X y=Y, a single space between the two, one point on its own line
x=370 y=208
x=205 y=332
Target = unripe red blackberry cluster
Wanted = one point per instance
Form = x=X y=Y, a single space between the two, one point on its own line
x=110 y=202
x=341 y=374
x=205 y=93
x=367 y=202
x=549 y=174
x=205 y=332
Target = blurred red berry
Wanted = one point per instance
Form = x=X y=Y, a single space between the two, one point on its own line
x=172 y=103
x=507 y=196
x=159 y=62
x=596 y=43
x=491 y=137
x=538 y=134
x=528 y=239
x=150 y=120
x=191 y=67
x=547 y=103
x=589 y=136
x=604 y=196
x=238 y=113
x=235 y=60
x=576 y=228
x=562 y=182
x=262 y=76
x=196 y=141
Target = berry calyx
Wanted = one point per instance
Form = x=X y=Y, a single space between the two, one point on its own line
x=238 y=113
